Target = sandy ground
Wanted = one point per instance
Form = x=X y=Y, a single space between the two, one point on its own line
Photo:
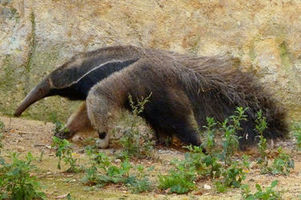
x=27 y=135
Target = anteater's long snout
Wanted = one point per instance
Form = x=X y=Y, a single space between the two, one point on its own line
x=40 y=91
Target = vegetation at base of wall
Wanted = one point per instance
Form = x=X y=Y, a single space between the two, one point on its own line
x=134 y=143
x=16 y=180
x=64 y=152
x=102 y=172
x=297 y=134
x=269 y=193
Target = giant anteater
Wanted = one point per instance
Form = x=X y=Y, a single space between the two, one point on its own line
x=185 y=90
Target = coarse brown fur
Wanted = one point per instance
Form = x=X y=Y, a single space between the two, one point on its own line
x=185 y=90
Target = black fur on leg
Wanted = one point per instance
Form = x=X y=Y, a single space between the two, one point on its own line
x=102 y=135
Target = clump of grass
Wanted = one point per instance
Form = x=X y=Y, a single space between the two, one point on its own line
x=230 y=141
x=217 y=165
x=209 y=135
x=102 y=172
x=133 y=142
x=282 y=164
x=297 y=134
x=140 y=182
x=2 y=127
x=268 y=194
x=16 y=180
x=261 y=125
x=59 y=127
x=64 y=152
x=232 y=177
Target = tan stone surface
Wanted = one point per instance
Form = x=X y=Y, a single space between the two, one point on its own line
x=265 y=35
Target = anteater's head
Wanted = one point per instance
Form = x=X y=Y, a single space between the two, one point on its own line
x=74 y=79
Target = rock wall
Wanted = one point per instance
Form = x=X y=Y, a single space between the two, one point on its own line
x=36 y=36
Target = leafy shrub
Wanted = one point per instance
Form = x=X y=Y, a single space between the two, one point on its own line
x=64 y=152
x=178 y=181
x=282 y=164
x=232 y=177
x=133 y=142
x=2 y=127
x=209 y=139
x=181 y=179
x=261 y=125
x=103 y=172
x=230 y=141
x=268 y=194
x=297 y=134
x=140 y=182
x=59 y=127
x=16 y=180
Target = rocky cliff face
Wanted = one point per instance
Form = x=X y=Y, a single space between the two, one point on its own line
x=36 y=36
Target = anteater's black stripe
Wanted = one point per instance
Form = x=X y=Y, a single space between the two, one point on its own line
x=79 y=89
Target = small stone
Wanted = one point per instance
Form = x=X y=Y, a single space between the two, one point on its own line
x=207 y=187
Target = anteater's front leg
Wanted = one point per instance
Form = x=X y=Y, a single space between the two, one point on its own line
x=77 y=122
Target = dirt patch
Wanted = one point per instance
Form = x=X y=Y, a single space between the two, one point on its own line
x=35 y=136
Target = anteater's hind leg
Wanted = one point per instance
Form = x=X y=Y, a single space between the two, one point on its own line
x=172 y=114
x=77 y=122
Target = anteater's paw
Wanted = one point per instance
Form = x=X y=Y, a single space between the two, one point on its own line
x=63 y=134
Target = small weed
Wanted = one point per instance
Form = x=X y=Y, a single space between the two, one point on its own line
x=59 y=127
x=297 y=134
x=103 y=172
x=178 y=181
x=261 y=125
x=232 y=177
x=1 y=145
x=268 y=194
x=136 y=144
x=64 y=152
x=282 y=164
x=181 y=179
x=2 y=127
x=230 y=141
x=140 y=182
x=209 y=142
x=16 y=180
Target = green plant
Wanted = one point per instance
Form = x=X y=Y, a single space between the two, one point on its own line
x=209 y=141
x=135 y=144
x=181 y=179
x=261 y=125
x=140 y=182
x=230 y=140
x=178 y=181
x=297 y=134
x=232 y=177
x=16 y=180
x=64 y=152
x=268 y=194
x=103 y=172
x=59 y=127
x=204 y=164
x=2 y=127
x=282 y=164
